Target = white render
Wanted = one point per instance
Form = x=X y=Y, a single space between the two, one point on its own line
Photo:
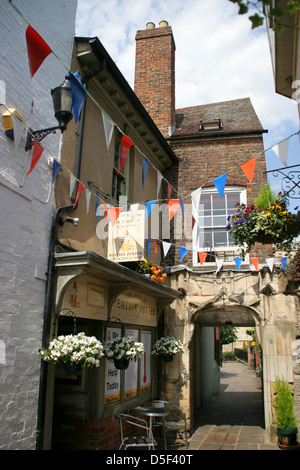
x=26 y=207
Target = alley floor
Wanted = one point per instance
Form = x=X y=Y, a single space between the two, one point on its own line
x=234 y=419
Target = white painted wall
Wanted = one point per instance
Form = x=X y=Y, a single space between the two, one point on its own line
x=26 y=207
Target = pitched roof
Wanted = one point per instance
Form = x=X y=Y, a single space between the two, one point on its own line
x=236 y=116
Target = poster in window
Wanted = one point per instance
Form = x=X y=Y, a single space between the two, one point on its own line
x=131 y=374
x=112 y=375
x=126 y=237
x=145 y=370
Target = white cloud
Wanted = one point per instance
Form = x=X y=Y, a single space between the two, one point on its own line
x=218 y=56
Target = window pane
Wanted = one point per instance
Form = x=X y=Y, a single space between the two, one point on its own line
x=220 y=238
x=205 y=211
x=232 y=200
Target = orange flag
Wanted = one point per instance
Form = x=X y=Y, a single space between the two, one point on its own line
x=37 y=49
x=114 y=213
x=155 y=245
x=249 y=168
x=255 y=261
x=36 y=153
x=126 y=145
x=202 y=257
x=173 y=204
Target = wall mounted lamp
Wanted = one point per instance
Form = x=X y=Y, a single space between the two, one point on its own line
x=62 y=103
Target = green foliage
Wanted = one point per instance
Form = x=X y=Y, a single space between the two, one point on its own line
x=227 y=334
x=285 y=415
x=228 y=356
x=276 y=13
x=266 y=197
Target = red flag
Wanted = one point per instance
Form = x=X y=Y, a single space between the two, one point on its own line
x=170 y=189
x=114 y=213
x=126 y=145
x=80 y=187
x=255 y=262
x=36 y=153
x=202 y=257
x=37 y=49
x=248 y=168
x=155 y=245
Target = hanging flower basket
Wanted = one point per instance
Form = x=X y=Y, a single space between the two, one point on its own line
x=155 y=272
x=274 y=225
x=122 y=363
x=122 y=350
x=167 y=347
x=77 y=351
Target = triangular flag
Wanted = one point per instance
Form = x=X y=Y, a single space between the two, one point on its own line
x=283 y=261
x=78 y=94
x=219 y=262
x=149 y=207
x=87 y=199
x=181 y=205
x=108 y=125
x=145 y=169
x=220 y=184
x=148 y=244
x=98 y=208
x=155 y=245
x=126 y=145
x=159 y=180
x=270 y=263
x=37 y=49
x=238 y=262
x=170 y=189
x=183 y=252
x=114 y=213
x=80 y=187
x=174 y=205
x=166 y=247
x=36 y=153
x=72 y=184
x=202 y=257
x=55 y=170
x=255 y=262
x=281 y=151
x=248 y=168
x=134 y=209
x=18 y=129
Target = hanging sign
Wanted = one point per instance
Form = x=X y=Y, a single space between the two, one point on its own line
x=126 y=237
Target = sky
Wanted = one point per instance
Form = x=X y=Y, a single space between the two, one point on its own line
x=218 y=58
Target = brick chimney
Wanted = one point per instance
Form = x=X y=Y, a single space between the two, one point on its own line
x=155 y=74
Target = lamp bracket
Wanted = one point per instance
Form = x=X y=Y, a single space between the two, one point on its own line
x=38 y=135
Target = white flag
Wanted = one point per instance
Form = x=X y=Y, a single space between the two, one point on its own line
x=219 y=262
x=270 y=263
x=108 y=128
x=72 y=184
x=133 y=209
x=166 y=247
x=18 y=130
x=159 y=179
x=281 y=151
x=88 y=199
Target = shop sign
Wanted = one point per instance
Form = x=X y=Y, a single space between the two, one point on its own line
x=135 y=308
x=126 y=237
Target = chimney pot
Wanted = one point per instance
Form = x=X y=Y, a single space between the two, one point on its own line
x=150 y=25
x=163 y=24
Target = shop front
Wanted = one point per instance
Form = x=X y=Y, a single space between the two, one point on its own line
x=108 y=301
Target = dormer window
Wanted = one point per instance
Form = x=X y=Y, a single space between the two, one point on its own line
x=212 y=125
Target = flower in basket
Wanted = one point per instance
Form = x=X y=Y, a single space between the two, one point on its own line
x=274 y=224
x=167 y=346
x=79 y=349
x=124 y=348
x=156 y=272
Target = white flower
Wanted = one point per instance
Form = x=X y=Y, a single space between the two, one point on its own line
x=167 y=346
x=126 y=346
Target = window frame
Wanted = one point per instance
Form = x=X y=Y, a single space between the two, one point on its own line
x=224 y=248
x=121 y=178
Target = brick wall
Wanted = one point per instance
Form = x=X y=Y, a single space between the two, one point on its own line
x=155 y=75
x=26 y=209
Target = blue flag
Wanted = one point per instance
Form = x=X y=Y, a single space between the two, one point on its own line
x=56 y=169
x=78 y=94
x=183 y=252
x=145 y=169
x=238 y=262
x=220 y=184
